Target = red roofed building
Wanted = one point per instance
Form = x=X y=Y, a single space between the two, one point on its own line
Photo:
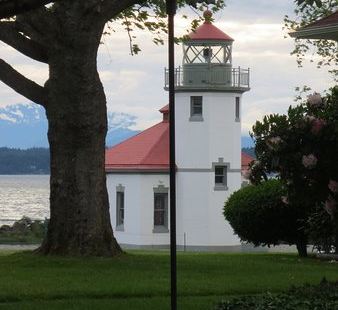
x=208 y=94
x=246 y=160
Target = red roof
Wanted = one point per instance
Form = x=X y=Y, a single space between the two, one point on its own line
x=208 y=31
x=246 y=160
x=147 y=151
x=326 y=21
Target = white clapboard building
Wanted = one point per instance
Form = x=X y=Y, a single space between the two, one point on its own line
x=208 y=154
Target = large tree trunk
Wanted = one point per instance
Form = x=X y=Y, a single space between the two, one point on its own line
x=76 y=112
x=301 y=245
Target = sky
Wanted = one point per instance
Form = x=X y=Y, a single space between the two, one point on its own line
x=134 y=84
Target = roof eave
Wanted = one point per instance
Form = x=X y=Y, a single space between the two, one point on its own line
x=157 y=168
x=329 y=32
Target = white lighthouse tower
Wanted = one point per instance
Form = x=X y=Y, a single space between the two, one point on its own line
x=208 y=103
x=208 y=155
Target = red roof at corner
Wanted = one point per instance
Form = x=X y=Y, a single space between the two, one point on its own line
x=208 y=31
x=149 y=150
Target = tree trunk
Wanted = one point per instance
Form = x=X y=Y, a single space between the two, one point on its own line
x=335 y=227
x=301 y=248
x=77 y=118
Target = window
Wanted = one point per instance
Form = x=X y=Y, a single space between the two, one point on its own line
x=237 y=109
x=220 y=178
x=160 y=212
x=220 y=175
x=196 y=108
x=119 y=210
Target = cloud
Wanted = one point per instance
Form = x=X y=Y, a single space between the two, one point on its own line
x=120 y=120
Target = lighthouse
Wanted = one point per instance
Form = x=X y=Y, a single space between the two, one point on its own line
x=208 y=99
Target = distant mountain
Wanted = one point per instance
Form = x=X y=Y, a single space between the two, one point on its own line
x=118 y=128
x=25 y=126
x=247 y=142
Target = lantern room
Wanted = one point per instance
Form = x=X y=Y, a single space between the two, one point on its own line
x=207 y=45
x=207 y=61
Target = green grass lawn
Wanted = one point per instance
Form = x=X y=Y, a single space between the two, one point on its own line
x=140 y=280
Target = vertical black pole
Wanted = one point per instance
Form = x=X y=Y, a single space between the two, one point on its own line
x=171 y=10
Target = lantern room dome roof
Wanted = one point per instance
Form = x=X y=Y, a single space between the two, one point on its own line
x=208 y=32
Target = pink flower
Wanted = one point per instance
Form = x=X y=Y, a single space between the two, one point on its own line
x=330 y=206
x=273 y=142
x=285 y=200
x=317 y=125
x=333 y=186
x=309 y=118
x=314 y=100
x=309 y=161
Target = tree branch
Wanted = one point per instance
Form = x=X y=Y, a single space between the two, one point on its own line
x=38 y=25
x=110 y=8
x=9 y=8
x=21 y=84
x=10 y=35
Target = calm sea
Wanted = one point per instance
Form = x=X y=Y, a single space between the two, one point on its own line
x=23 y=195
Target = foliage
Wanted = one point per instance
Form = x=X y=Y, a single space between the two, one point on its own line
x=30 y=161
x=302 y=148
x=320 y=230
x=141 y=280
x=258 y=215
x=308 y=297
x=308 y=11
x=23 y=231
x=151 y=16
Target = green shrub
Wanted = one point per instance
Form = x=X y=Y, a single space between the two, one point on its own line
x=309 y=297
x=258 y=215
x=24 y=230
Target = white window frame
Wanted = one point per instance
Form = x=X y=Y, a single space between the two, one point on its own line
x=120 y=208
x=158 y=192
x=221 y=186
x=196 y=117
x=237 y=109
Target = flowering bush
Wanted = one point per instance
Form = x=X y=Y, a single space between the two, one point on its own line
x=302 y=149
x=315 y=100
x=309 y=161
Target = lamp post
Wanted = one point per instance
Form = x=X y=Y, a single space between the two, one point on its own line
x=171 y=10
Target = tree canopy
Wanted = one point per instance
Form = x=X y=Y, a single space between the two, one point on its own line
x=9 y=8
x=306 y=12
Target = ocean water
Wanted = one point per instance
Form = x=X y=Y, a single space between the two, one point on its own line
x=23 y=195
